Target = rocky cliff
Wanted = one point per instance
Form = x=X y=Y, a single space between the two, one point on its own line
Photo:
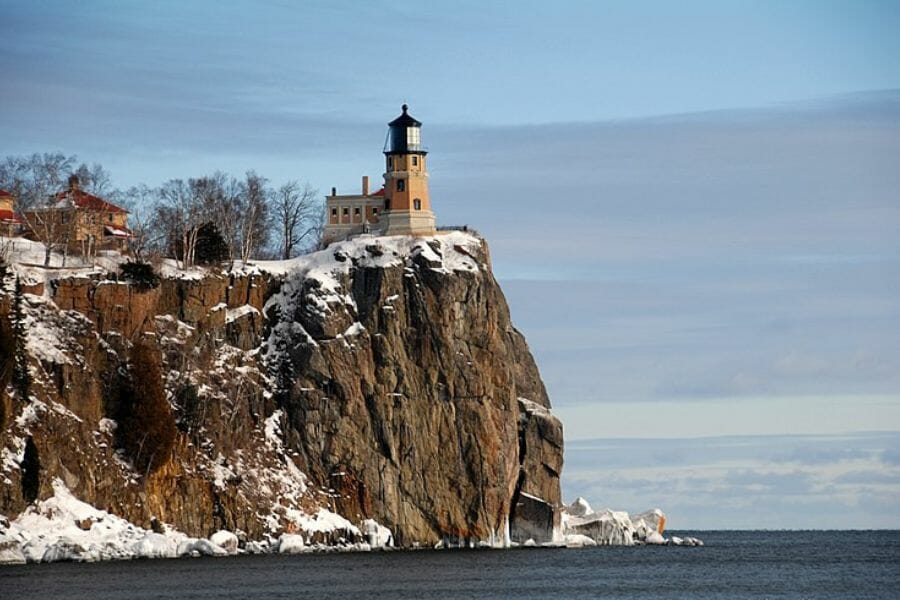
x=380 y=378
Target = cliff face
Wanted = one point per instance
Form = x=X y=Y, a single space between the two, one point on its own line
x=380 y=378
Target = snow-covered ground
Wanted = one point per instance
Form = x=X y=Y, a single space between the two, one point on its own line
x=453 y=254
x=27 y=260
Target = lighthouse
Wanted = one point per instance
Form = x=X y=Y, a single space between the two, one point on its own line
x=402 y=206
x=407 y=208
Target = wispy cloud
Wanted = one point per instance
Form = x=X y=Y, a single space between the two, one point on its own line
x=797 y=482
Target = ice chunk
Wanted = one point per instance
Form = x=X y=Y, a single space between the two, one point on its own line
x=656 y=539
x=199 y=547
x=10 y=553
x=654 y=520
x=606 y=527
x=609 y=527
x=291 y=543
x=377 y=535
x=64 y=549
x=226 y=540
x=154 y=545
x=579 y=508
x=577 y=540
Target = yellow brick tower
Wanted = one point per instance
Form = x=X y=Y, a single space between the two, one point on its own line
x=407 y=209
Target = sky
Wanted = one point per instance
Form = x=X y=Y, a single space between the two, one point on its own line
x=692 y=207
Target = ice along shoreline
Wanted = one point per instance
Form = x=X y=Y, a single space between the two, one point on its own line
x=63 y=528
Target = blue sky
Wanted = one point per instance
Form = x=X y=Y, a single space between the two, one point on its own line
x=693 y=207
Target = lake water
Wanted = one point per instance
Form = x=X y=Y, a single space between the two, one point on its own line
x=745 y=564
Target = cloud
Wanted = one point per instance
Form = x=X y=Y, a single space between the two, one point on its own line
x=718 y=254
x=745 y=482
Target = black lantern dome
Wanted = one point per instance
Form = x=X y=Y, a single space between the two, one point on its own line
x=404 y=135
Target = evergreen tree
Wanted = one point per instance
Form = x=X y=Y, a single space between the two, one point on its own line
x=211 y=245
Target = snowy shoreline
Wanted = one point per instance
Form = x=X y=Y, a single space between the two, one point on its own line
x=63 y=528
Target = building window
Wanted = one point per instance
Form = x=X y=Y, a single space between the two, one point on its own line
x=415 y=160
x=390 y=163
x=110 y=217
x=413 y=138
x=401 y=185
x=333 y=212
x=417 y=204
x=387 y=204
x=374 y=211
x=356 y=211
x=346 y=211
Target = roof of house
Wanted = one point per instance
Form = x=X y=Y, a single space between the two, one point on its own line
x=82 y=199
x=379 y=192
x=5 y=194
x=9 y=216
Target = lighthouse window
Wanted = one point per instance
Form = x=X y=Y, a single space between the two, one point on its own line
x=415 y=161
x=413 y=136
x=401 y=185
x=417 y=204
x=390 y=163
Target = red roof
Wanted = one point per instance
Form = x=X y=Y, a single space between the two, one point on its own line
x=8 y=216
x=5 y=194
x=82 y=199
x=379 y=192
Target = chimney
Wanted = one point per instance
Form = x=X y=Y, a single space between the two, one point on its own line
x=74 y=183
x=365 y=185
x=334 y=191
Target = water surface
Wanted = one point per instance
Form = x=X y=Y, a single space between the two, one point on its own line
x=745 y=564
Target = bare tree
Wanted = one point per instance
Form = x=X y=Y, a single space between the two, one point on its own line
x=94 y=179
x=144 y=237
x=34 y=181
x=177 y=219
x=220 y=197
x=296 y=209
x=255 y=215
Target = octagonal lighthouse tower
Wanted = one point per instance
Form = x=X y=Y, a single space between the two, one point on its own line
x=407 y=209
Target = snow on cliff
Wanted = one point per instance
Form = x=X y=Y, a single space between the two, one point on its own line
x=446 y=253
x=63 y=528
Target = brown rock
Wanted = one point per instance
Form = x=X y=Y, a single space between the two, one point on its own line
x=400 y=401
x=416 y=411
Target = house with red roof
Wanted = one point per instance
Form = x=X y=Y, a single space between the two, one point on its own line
x=10 y=222
x=79 y=221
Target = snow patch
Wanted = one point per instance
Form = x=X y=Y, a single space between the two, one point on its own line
x=225 y=540
x=233 y=314
x=65 y=528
